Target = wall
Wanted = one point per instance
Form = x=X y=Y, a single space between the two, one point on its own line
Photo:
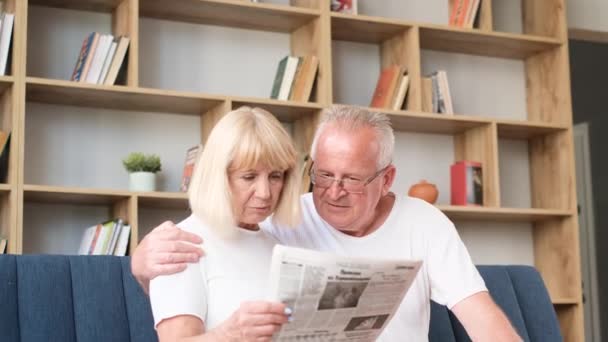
x=587 y=14
x=588 y=75
x=202 y=58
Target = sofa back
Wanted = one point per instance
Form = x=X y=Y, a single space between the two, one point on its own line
x=95 y=298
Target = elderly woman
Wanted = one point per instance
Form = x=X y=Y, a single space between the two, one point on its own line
x=245 y=173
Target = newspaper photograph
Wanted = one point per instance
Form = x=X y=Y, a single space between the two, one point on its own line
x=337 y=298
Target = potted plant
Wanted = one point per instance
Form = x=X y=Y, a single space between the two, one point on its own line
x=142 y=171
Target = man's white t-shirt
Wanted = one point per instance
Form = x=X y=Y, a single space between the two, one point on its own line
x=233 y=270
x=413 y=230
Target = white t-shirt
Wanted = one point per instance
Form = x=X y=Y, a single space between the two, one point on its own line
x=233 y=270
x=413 y=230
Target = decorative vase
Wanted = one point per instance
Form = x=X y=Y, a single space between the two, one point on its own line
x=424 y=190
x=142 y=181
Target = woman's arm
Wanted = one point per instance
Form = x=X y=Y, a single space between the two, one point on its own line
x=253 y=321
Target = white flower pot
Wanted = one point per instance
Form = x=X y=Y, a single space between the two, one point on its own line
x=142 y=181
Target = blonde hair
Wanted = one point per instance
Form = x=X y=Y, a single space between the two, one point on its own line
x=351 y=119
x=243 y=138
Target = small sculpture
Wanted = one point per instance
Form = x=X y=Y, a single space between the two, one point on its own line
x=424 y=190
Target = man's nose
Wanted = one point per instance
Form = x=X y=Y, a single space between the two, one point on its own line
x=336 y=189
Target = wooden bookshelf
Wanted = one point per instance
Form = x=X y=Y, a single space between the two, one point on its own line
x=311 y=28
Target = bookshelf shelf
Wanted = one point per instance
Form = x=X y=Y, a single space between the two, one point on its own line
x=118 y=97
x=526 y=130
x=85 y=5
x=482 y=43
x=94 y=196
x=72 y=195
x=5 y=188
x=564 y=301
x=241 y=14
x=503 y=214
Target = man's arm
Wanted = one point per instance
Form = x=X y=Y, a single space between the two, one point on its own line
x=165 y=250
x=484 y=320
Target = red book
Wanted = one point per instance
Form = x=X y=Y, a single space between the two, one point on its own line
x=387 y=83
x=466 y=183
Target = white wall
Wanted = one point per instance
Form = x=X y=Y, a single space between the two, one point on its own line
x=198 y=58
x=587 y=14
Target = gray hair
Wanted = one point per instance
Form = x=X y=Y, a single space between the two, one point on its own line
x=353 y=118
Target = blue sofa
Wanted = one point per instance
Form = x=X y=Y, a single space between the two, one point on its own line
x=95 y=298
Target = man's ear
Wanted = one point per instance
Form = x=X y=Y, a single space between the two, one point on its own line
x=388 y=178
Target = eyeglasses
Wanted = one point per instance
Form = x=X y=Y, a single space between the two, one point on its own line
x=350 y=185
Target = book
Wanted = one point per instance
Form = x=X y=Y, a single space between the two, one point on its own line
x=472 y=13
x=122 y=47
x=5 y=40
x=288 y=76
x=444 y=89
x=107 y=62
x=401 y=91
x=344 y=6
x=3 y=243
x=84 y=51
x=466 y=183
x=304 y=79
x=89 y=58
x=101 y=51
x=387 y=82
x=192 y=156
x=427 y=94
x=278 y=78
x=123 y=241
x=5 y=145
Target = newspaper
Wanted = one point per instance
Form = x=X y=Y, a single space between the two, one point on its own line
x=337 y=298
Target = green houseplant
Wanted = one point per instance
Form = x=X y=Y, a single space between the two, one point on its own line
x=142 y=170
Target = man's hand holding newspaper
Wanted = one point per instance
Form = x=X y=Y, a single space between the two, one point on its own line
x=335 y=297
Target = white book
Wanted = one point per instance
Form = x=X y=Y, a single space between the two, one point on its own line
x=401 y=92
x=123 y=241
x=288 y=76
x=445 y=90
x=98 y=58
x=115 y=234
x=104 y=235
x=107 y=62
x=87 y=239
x=5 y=40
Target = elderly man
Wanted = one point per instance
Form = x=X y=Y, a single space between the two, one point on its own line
x=351 y=211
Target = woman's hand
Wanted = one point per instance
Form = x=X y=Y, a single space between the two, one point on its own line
x=165 y=250
x=253 y=321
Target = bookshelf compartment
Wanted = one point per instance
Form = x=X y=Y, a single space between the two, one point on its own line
x=435 y=153
x=199 y=60
x=516 y=245
x=84 y=147
x=56 y=35
x=369 y=61
x=57 y=228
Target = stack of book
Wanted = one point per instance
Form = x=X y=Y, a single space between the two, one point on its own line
x=436 y=97
x=295 y=78
x=391 y=88
x=100 y=59
x=463 y=13
x=6 y=32
x=108 y=238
